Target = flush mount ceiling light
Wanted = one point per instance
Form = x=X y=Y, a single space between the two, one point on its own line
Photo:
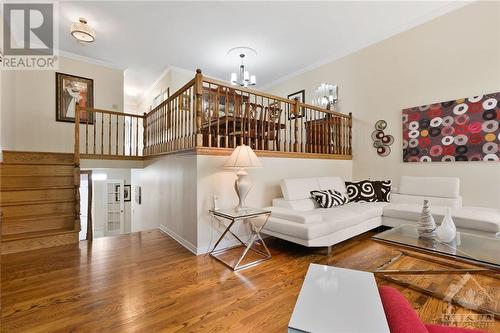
x=244 y=79
x=82 y=31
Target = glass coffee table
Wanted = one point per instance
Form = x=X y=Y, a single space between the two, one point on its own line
x=479 y=250
x=469 y=253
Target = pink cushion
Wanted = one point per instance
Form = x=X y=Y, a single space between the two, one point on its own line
x=447 y=329
x=401 y=317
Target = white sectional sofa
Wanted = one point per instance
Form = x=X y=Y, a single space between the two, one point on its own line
x=297 y=218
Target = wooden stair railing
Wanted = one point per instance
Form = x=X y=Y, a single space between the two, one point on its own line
x=207 y=113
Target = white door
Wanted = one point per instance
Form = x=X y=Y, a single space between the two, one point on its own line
x=115 y=206
x=84 y=204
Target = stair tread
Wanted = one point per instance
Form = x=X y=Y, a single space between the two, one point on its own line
x=35 y=202
x=36 y=234
x=37 y=216
x=4 y=189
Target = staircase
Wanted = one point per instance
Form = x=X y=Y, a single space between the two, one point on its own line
x=39 y=200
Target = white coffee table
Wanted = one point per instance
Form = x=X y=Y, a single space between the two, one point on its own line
x=338 y=300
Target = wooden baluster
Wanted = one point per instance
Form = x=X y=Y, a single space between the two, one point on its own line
x=77 y=135
x=248 y=127
x=109 y=134
x=236 y=113
x=226 y=118
x=94 y=139
x=217 y=115
x=136 y=135
x=102 y=133
x=198 y=91
x=130 y=136
x=342 y=136
x=144 y=134
x=116 y=134
x=267 y=125
x=350 y=134
x=87 y=114
x=296 y=126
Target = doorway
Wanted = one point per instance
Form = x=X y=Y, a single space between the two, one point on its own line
x=85 y=205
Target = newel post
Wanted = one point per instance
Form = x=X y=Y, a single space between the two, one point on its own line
x=198 y=89
x=350 y=133
x=144 y=133
x=76 y=171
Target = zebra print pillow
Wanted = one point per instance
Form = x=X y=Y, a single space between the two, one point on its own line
x=362 y=191
x=329 y=198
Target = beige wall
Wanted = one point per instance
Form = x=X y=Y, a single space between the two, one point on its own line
x=168 y=197
x=173 y=78
x=212 y=179
x=28 y=105
x=453 y=56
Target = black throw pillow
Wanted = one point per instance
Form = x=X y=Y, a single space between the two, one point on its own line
x=362 y=191
x=382 y=190
x=329 y=198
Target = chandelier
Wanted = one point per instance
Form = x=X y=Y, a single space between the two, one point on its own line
x=244 y=78
x=82 y=31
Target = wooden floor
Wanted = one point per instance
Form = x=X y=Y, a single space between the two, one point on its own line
x=146 y=282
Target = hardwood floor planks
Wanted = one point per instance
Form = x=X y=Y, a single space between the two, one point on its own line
x=146 y=282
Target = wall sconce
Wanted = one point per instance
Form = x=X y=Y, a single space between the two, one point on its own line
x=326 y=96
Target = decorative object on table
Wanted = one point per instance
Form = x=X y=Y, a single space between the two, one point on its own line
x=71 y=89
x=244 y=79
x=329 y=198
x=138 y=197
x=382 y=141
x=242 y=158
x=297 y=96
x=326 y=96
x=382 y=189
x=447 y=231
x=127 y=196
x=461 y=130
x=426 y=225
x=361 y=191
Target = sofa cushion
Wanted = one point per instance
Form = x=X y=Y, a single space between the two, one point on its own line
x=447 y=187
x=362 y=191
x=487 y=220
x=382 y=189
x=300 y=205
x=298 y=188
x=295 y=216
x=401 y=317
x=329 y=198
x=366 y=210
x=332 y=183
x=419 y=199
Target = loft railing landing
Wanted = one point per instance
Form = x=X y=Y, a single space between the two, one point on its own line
x=212 y=117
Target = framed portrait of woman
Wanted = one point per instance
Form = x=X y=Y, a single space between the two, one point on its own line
x=71 y=89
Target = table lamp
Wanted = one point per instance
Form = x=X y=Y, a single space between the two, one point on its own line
x=242 y=158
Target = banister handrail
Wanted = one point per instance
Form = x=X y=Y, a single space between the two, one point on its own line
x=125 y=114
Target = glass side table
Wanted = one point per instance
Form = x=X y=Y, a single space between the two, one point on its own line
x=257 y=218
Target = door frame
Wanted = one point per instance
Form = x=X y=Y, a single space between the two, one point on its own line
x=90 y=233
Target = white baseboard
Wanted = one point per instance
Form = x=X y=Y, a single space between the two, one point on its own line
x=188 y=245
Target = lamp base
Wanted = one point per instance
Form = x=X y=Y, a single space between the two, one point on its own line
x=242 y=185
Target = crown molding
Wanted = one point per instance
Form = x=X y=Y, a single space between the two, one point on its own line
x=89 y=60
x=445 y=9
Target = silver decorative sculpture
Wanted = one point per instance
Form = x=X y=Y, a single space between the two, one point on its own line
x=426 y=225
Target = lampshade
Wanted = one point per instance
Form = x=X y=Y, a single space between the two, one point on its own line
x=243 y=157
x=82 y=31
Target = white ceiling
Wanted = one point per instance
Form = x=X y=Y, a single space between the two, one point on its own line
x=147 y=37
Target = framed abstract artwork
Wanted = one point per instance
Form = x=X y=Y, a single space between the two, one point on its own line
x=461 y=130
x=71 y=89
